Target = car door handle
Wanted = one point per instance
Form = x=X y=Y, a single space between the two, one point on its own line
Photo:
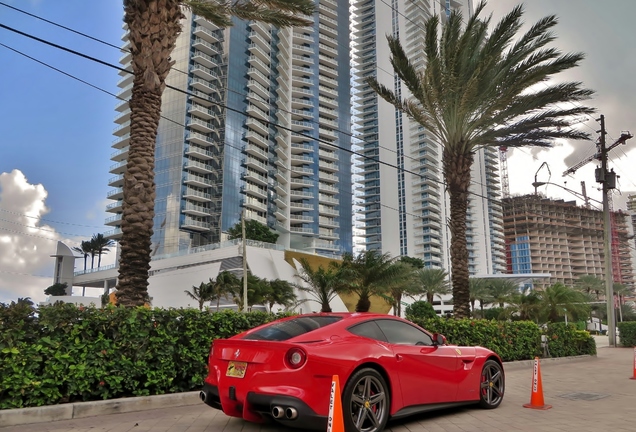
x=399 y=357
x=468 y=360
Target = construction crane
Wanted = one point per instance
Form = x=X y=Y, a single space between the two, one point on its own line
x=625 y=135
x=503 y=163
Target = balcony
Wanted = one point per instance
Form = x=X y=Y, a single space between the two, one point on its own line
x=116 y=194
x=113 y=234
x=196 y=195
x=198 y=167
x=113 y=220
x=120 y=155
x=196 y=210
x=196 y=225
x=197 y=180
x=115 y=207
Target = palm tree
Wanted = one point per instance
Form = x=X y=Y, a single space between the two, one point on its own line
x=558 y=300
x=324 y=284
x=369 y=273
x=201 y=294
x=501 y=290
x=479 y=89
x=280 y=292
x=84 y=249
x=100 y=246
x=590 y=284
x=153 y=27
x=225 y=284
x=257 y=288
x=526 y=305
x=404 y=284
x=478 y=291
x=434 y=283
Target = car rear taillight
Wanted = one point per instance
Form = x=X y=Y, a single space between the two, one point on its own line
x=295 y=358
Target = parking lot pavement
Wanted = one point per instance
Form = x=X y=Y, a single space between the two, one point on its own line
x=587 y=395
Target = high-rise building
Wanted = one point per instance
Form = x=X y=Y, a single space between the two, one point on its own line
x=403 y=205
x=260 y=123
x=564 y=240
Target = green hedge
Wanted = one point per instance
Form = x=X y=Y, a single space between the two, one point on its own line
x=566 y=340
x=72 y=354
x=66 y=354
x=512 y=340
x=627 y=335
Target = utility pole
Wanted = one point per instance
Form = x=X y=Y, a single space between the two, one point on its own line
x=244 y=261
x=608 y=180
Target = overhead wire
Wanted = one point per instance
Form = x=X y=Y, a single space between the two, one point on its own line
x=270 y=123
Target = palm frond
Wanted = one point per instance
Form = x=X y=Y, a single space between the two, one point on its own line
x=281 y=13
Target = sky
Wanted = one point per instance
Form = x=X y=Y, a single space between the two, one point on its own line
x=56 y=132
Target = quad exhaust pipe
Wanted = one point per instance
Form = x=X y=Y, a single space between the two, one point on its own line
x=289 y=413
x=203 y=396
x=278 y=412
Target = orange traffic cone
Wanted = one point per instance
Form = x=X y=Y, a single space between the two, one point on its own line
x=634 y=377
x=536 y=397
x=335 y=422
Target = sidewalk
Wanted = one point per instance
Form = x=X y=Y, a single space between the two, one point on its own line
x=587 y=396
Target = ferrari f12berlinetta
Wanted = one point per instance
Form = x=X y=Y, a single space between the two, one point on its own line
x=388 y=368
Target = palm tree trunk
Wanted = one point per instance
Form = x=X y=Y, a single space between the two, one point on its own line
x=397 y=309
x=153 y=29
x=429 y=297
x=364 y=303
x=218 y=302
x=457 y=175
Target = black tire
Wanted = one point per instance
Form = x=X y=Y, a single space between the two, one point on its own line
x=492 y=385
x=366 y=402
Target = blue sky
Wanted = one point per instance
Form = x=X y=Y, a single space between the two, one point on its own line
x=57 y=131
x=54 y=129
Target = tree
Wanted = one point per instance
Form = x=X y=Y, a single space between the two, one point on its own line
x=418 y=263
x=590 y=284
x=257 y=288
x=479 y=89
x=324 y=283
x=369 y=273
x=85 y=249
x=225 y=284
x=57 y=289
x=420 y=310
x=526 y=305
x=558 y=301
x=153 y=27
x=478 y=291
x=100 y=245
x=501 y=290
x=434 y=283
x=404 y=284
x=254 y=230
x=201 y=294
x=280 y=292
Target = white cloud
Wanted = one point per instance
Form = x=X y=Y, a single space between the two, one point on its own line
x=26 y=244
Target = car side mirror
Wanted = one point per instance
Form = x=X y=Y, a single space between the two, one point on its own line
x=439 y=339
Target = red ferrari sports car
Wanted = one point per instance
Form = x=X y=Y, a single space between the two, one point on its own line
x=388 y=368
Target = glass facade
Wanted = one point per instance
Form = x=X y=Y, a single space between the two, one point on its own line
x=262 y=126
x=520 y=255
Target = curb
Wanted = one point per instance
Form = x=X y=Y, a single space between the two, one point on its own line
x=76 y=410
x=528 y=364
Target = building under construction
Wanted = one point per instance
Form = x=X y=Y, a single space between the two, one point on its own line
x=558 y=237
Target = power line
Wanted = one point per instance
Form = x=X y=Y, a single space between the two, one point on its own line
x=48 y=220
x=270 y=123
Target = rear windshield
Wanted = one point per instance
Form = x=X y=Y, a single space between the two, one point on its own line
x=283 y=330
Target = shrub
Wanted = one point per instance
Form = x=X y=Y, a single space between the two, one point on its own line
x=419 y=310
x=70 y=354
x=511 y=340
x=565 y=340
x=627 y=333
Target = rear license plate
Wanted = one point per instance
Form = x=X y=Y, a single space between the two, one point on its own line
x=236 y=369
